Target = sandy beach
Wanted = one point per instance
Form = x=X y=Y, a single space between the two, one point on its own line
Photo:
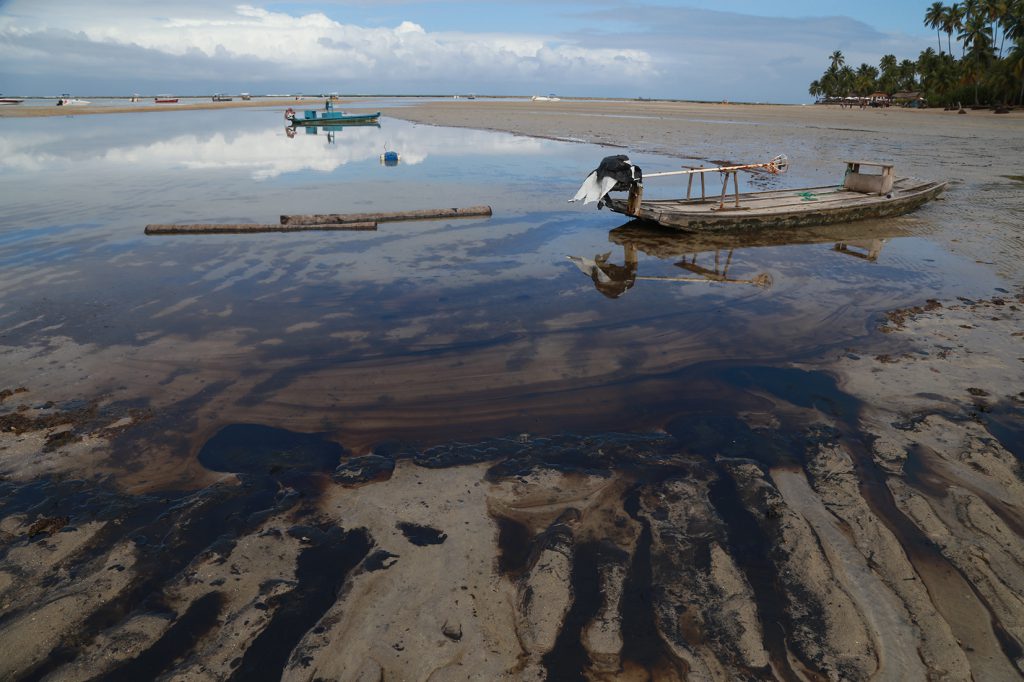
x=856 y=515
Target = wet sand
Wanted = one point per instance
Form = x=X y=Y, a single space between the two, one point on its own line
x=147 y=106
x=852 y=514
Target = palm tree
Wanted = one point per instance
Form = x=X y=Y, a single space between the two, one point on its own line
x=907 y=72
x=864 y=81
x=933 y=18
x=994 y=10
x=947 y=26
x=889 y=78
x=837 y=59
x=1015 y=60
x=926 y=67
x=847 y=80
x=945 y=76
x=830 y=81
x=815 y=90
x=976 y=34
x=1012 y=22
x=1000 y=81
x=951 y=23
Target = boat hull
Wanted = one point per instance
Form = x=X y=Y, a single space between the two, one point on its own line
x=351 y=119
x=783 y=208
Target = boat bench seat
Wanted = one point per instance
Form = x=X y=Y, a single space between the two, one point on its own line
x=855 y=181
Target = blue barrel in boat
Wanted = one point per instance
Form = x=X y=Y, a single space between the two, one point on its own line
x=390 y=158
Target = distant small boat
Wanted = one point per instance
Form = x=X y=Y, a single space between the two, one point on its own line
x=71 y=102
x=246 y=96
x=10 y=100
x=135 y=97
x=165 y=99
x=546 y=98
x=309 y=118
x=221 y=98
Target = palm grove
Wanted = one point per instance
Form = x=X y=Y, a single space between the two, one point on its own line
x=989 y=36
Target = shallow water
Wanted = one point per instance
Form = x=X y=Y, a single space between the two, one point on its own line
x=426 y=331
x=212 y=384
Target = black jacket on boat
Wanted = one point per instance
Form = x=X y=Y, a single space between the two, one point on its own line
x=615 y=173
x=620 y=168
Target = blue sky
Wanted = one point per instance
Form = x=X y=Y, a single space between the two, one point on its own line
x=739 y=50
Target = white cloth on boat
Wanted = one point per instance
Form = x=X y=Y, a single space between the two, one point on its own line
x=594 y=189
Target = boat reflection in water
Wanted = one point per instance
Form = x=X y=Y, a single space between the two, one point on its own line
x=331 y=130
x=707 y=258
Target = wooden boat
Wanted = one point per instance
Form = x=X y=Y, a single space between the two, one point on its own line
x=859 y=197
x=222 y=98
x=165 y=99
x=329 y=118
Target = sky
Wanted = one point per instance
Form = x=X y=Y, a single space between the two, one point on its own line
x=735 y=50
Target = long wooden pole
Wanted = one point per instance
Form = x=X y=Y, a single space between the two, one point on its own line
x=251 y=227
x=424 y=214
x=716 y=169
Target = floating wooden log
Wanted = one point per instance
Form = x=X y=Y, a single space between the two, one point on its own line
x=395 y=216
x=203 y=228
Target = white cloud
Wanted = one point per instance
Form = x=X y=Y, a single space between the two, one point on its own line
x=602 y=49
x=287 y=46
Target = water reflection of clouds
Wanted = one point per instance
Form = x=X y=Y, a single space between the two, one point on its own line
x=266 y=153
x=19 y=153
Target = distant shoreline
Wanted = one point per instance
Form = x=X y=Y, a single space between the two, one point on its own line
x=578 y=105
x=20 y=111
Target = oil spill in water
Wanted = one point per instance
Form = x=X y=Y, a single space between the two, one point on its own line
x=726 y=435
x=641 y=642
x=514 y=541
x=567 y=660
x=170 y=530
x=1005 y=421
x=328 y=558
x=750 y=549
x=420 y=535
x=167 y=532
x=179 y=639
x=804 y=388
x=263 y=450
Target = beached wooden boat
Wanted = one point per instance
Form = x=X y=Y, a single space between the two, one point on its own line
x=859 y=197
x=328 y=118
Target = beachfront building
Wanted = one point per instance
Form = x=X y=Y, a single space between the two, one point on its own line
x=879 y=99
x=908 y=99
